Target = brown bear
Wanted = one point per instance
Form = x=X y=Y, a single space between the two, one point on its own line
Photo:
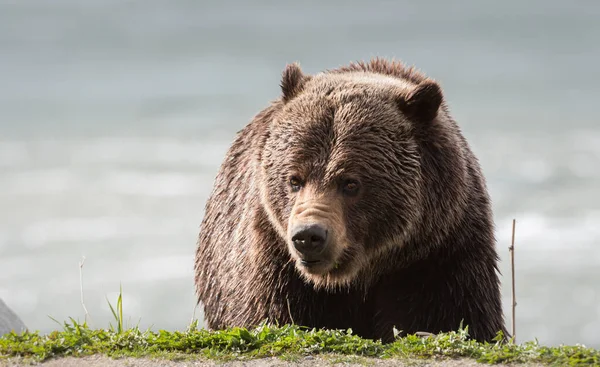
x=352 y=201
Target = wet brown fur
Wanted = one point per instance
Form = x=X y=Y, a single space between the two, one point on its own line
x=417 y=249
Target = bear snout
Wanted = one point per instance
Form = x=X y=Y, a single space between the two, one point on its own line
x=310 y=240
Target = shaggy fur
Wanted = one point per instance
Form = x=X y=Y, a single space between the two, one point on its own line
x=371 y=152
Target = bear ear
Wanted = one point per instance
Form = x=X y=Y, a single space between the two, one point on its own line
x=292 y=81
x=423 y=102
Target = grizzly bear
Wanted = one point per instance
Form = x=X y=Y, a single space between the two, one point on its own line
x=351 y=201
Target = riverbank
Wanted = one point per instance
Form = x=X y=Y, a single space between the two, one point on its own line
x=268 y=346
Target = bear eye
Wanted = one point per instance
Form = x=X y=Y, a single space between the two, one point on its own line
x=295 y=183
x=350 y=187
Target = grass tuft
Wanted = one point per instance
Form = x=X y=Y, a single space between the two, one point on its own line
x=118 y=314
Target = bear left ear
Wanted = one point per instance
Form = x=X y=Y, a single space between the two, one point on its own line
x=292 y=81
x=423 y=102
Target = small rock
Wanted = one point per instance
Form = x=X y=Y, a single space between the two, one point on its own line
x=9 y=320
x=424 y=334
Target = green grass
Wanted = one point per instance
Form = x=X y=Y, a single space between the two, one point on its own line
x=289 y=342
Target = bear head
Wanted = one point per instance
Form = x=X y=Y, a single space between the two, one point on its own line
x=341 y=170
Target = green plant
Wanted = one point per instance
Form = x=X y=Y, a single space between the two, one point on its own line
x=118 y=314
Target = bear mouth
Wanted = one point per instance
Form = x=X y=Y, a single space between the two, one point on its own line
x=329 y=271
x=309 y=263
x=323 y=266
x=316 y=267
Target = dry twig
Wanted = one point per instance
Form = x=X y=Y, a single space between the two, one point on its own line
x=511 y=249
x=87 y=315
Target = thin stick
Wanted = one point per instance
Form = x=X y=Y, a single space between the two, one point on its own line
x=87 y=315
x=194 y=313
x=290 y=310
x=511 y=249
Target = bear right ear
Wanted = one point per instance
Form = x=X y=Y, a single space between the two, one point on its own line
x=423 y=102
x=292 y=81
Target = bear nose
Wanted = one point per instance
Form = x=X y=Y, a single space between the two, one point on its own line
x=309 y=239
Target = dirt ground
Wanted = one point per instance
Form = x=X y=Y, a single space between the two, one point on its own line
x=101 y=361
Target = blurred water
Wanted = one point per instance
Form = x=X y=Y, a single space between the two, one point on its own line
x=114 y=116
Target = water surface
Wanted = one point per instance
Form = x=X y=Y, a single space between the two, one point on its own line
x=115 y=115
